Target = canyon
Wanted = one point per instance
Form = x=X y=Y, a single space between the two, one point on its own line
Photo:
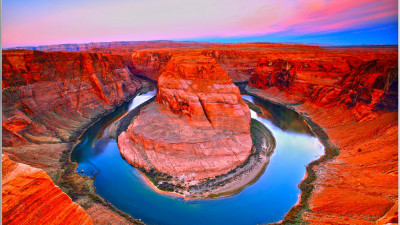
x=51 y=97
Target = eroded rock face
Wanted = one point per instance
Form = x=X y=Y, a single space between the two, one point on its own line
x=366 y=86
x=199 y=127
x=273 y=73
x=30 y=197
x=55 y=93
x=203 y=92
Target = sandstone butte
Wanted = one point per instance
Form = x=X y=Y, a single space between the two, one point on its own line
x=199 y=127
x=30 y=197
x=350 y=93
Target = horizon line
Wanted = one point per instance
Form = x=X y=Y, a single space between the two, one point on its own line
x=321 y=44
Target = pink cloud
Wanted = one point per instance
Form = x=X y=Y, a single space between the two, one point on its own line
x=174 y=19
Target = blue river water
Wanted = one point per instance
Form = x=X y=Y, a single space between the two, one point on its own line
x=265 y=201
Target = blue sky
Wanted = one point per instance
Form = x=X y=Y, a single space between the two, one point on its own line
x=337 y=22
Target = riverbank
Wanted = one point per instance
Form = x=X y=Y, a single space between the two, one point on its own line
x=355 y=185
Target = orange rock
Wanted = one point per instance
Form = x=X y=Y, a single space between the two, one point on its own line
x=273 y=73
x=202 y=91
x=360 y=185
x=200 y=128
x=367 y=86
x=30 y=197
x=60 y=91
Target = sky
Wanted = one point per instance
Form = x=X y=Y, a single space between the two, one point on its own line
x=337 y=22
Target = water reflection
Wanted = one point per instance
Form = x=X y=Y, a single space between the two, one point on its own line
x=280 y=116
x=142 y=98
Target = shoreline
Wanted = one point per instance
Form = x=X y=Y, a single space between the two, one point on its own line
x=306 y=186
x=314 y=184
x=68 y=169
x=152 y=186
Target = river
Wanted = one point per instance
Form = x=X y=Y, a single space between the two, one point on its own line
x=265 y=201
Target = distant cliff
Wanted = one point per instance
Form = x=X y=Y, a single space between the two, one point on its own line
x=116 y=46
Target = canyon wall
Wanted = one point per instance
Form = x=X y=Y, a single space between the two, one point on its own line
x=240 y=60
x=30 y=197
x=362 y=86
x=199 y=127
x=355 y=103
x=49 y=98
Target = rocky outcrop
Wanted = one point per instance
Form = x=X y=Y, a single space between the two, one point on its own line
x=199 y=127
x=30 y=197
x=197 y=87
x=148 y=63
x=273 y=73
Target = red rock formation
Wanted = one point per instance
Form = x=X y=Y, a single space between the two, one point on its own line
x=203 y=92
x=200 y=129
x=59 y=92
x=49 y=98
x=30 y=197
x=368 y=85
x=360 y=185
x=269 y=73
x=148 y=63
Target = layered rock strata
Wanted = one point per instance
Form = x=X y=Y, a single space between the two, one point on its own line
x=198 y=128
x=30 y=197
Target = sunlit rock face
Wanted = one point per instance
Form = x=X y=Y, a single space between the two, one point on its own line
x=198 y=128
x=56 y=93
x=30 y=197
